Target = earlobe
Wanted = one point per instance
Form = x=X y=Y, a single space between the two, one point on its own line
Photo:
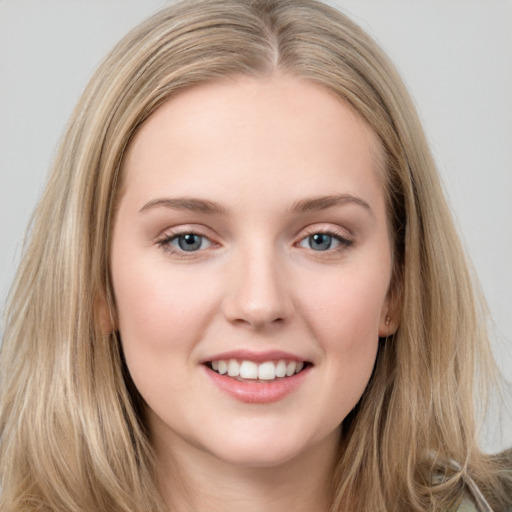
x=388 y=325
x=389 y=318
x=392 y=307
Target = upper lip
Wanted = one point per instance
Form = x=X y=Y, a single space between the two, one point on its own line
x=256 y=356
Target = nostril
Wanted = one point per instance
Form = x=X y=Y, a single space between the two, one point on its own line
x=258 y=301
x=258 y=322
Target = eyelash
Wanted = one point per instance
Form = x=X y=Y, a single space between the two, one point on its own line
x=165 y=241
x=344 y=241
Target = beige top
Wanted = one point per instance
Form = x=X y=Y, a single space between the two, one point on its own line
x=467 y=504
x=474 y=501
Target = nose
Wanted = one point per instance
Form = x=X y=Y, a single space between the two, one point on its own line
x=258 y=292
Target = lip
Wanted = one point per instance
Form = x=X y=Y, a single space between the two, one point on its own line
x=256 y=392
x=257 y=357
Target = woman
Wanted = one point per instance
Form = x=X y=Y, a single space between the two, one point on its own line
x=243 y=287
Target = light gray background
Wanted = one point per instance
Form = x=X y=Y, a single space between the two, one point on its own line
x=455 y=56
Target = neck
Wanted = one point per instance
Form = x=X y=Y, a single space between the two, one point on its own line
x=200 y=482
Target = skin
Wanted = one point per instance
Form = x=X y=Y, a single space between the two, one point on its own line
x=255 y=147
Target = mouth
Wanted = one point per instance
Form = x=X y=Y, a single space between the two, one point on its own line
x=245 y=370
x=258 y=377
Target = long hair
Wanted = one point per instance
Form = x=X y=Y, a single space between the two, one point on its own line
x=72 y=428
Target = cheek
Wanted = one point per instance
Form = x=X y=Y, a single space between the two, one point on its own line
x=344 y=315
x=345 y=310
x=162 y=315
x=159 y=300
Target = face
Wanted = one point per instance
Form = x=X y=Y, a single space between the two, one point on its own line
x=251 y=262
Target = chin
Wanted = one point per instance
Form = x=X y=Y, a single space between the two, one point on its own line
x=245 y=457
x=270 y=451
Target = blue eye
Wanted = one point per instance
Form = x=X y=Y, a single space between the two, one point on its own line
x=322 y=242
x=189 y=242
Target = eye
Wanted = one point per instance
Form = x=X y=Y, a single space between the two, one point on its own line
x=319 y=242
x=190 y=242
x=322 y=242
x=185 y=242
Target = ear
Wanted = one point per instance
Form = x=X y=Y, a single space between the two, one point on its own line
x=103 y=315
x=389 y=316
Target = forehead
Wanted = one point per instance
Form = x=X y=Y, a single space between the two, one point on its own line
x=278 y=131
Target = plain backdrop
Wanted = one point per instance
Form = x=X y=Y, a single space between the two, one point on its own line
x=455 y=56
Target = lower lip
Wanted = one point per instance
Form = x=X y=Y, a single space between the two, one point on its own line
x=258 y=392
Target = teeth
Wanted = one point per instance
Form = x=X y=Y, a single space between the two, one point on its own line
x=267 y=370
x=223 y=367
x=281 y=369
x=290 y=368
x=233 y=368
x=248 y=370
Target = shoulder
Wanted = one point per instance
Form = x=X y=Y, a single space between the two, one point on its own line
x=467 y=504
x=473 y=501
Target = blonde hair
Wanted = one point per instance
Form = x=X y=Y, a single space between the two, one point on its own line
x=72 y=428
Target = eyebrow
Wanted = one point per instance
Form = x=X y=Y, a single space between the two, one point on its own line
x=187 y=203
x=211 y=207
x=325 y=202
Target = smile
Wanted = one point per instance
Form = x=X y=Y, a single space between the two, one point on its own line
x=257 y=377
x=243 y=370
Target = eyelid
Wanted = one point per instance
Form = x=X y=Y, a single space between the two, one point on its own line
x=343 y=235
x=165 y=237
x=327 y=229
x=345 y=238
